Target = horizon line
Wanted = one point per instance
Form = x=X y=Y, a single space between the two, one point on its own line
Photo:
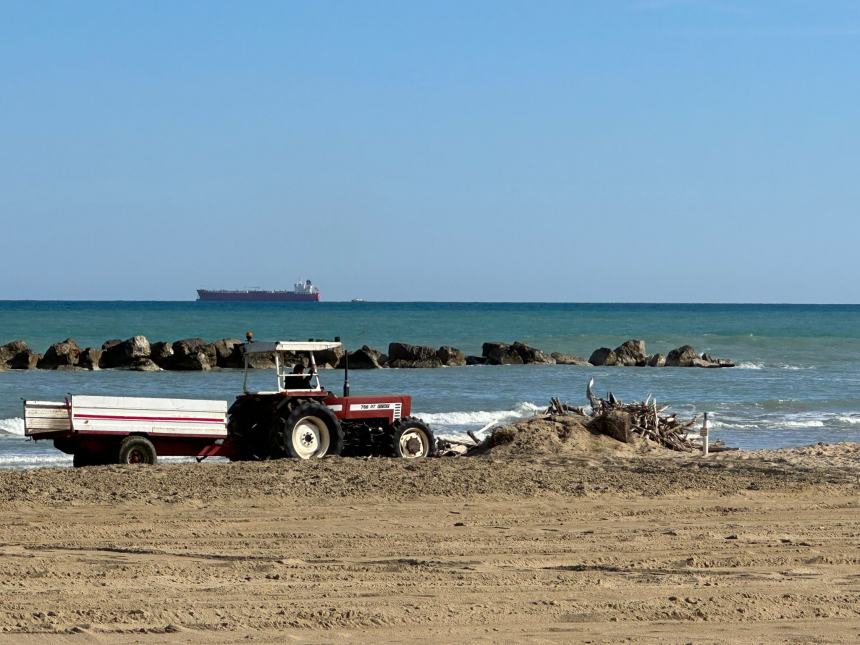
x=437 y=302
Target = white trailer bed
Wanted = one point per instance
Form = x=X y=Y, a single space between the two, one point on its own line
x=123 y=415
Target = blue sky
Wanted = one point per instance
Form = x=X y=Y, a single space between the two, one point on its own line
x=641 y=150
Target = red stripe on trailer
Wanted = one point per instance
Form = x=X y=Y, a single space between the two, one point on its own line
x=152 y=433
x=124 y=418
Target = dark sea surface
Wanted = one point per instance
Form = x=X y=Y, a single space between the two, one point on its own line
x=798 y=380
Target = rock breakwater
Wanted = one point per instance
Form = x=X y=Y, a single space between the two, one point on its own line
x=196 y=354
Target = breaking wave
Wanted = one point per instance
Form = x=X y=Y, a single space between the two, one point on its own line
x=748 y=365
x=35 y=461
x=788 y=421
x=13 y=426
x=757 y=365
x=457 y=423
x=805 y=423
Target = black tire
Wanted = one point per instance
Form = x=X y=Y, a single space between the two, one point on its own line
x=310 y=430
x=411 y=438
x=137 y=450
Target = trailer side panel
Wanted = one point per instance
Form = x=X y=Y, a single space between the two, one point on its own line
x=156 y=417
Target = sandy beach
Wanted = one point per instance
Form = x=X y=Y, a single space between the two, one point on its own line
x=588 y=541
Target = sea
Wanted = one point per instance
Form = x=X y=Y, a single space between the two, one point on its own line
x=797 y=380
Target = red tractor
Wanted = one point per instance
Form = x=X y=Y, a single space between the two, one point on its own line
x=301 y=419
x=298 y=418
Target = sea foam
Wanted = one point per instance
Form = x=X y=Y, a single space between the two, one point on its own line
x=14 y=426
x=749 y=365
x=458 y=422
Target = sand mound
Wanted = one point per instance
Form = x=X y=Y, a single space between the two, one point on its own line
x=838 y=456
x=545 y=436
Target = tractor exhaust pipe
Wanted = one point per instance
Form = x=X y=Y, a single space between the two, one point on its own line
x=346 y=372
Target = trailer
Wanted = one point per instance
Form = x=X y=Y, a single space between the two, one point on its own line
x=119 y=429
x=298 y=418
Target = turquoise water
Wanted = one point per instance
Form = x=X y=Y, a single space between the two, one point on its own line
x=798 y=380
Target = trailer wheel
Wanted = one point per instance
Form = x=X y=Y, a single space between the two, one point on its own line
x=137 y=450
x=311 y=430
x=411 y=438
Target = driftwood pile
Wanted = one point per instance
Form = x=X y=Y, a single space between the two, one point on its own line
x=646 y=419
x=610 y=416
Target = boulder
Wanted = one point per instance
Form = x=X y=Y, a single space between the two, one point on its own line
x=430 y=362
x=124 y=353
x=603 y=356
x=450 y=356
x=700 y=362
x=518 y=353
x=260 y=360
x=145 y=365
x=329 y=358
x=568 y=359
x=656 y=360
x=500 y=354
x=476 y=360
x=228 y=353
x=193 y=354
x=295 y=358
x=62 y=355
x=89 y=359
x=531 y=355
x=683 y=356
x=413 y=353
x=18 y=356
x=161 y=353
x=713 y=361
x=631 y=352
x=107 y=347
x=615 y=424
x=366 y=358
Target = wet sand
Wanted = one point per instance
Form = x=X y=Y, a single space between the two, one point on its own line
x=599 y=544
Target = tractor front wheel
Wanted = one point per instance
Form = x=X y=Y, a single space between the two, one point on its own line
x=411 y=438
x=312 y=430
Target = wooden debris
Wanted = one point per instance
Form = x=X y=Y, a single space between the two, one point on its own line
x=646 y=418
x=556 y=406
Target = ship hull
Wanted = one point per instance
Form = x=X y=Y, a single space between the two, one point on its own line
x=256 y=296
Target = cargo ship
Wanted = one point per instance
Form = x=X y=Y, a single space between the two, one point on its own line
x=302 y=292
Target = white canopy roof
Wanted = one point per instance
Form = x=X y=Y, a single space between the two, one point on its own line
x=259 y=347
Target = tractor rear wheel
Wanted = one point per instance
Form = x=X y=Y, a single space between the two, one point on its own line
x=137 y=450
x=411 y=438
x=311 y=430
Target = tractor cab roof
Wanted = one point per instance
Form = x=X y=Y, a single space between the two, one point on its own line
x=283 y=352
x=261 y=347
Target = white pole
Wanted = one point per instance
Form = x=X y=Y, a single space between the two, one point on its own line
x=706 y=426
